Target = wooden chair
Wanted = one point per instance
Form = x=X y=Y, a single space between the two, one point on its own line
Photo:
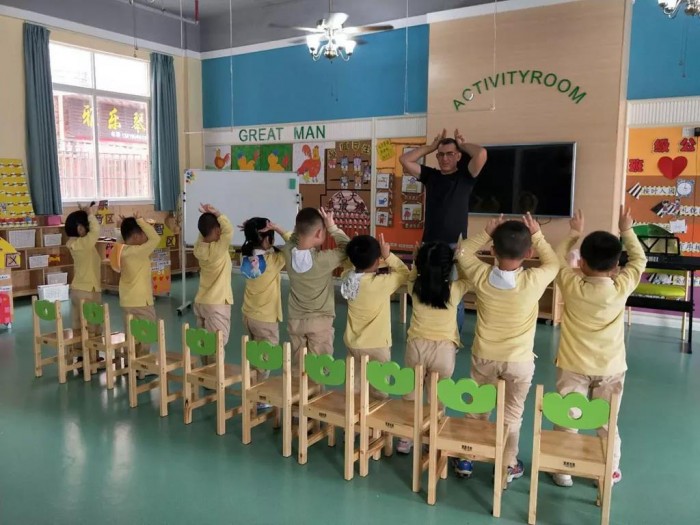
x=393 y=417
x=162 y=364
x=465 y=437
x=219 y=376
x=275 y=390
x=111 y=344
x=63 y=340
x=333 y=408
x=581 y=455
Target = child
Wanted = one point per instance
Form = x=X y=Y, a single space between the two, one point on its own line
x=212 y=304
x=591 y=357
x=506 y=314
x=368 y=328
x=433 y=337
x=311 y=293
x=262 y=299
x=132 y=259
x=83 y=231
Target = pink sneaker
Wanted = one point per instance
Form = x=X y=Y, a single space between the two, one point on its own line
x=616 y=478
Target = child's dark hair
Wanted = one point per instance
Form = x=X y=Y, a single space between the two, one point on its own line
x=601 y=251
x=207 y=223
x=129 y=227
x=434 y=263
x=512 y=240
x=308 y=219
x=75 y=219
x=363 y=251
x=253 y=237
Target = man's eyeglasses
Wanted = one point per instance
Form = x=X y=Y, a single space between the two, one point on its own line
x=446 y=154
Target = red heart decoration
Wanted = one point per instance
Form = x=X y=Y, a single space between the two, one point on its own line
x=671 y=168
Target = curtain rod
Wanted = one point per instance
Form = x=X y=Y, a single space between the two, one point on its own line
x=162 y=12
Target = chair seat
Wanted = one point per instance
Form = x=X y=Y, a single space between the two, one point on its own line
x=207 y=374
x=270 y=390
x=330 y=407
x=396 y=416
x=151 y=360
x=69 y=337
x=469 y=436
x=569 y=453
x=117 y=339
x=668 y=291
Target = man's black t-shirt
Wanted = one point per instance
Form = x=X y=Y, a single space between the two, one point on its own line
x=447 y=202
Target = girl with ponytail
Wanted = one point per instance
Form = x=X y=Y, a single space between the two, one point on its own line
x=261 y=265
x=433 y=338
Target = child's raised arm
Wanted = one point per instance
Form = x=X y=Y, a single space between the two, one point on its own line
x=466 y=250
x=398 y=275
x=628 y=279
x=333 y=258
x=566 y=273
x=549 y=265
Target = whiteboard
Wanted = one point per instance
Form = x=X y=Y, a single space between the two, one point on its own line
x=240 y=195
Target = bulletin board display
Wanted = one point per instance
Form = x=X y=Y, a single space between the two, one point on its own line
x=400 y=198
x=662 y=171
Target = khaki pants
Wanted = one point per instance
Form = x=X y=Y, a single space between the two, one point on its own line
x=593 y=387
x=435 y=356
x=518 y=378
x=140 y=312
x=316 y=334
x=262 y=331
x=213 y=317
x=375 y=354
x=75 y=297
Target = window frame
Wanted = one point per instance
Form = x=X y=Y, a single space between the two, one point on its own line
x=94 y=93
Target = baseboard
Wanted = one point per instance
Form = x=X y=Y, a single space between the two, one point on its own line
x=663 y=320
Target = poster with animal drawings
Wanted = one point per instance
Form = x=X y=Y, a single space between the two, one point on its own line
x=309 y=162
x=217 y=158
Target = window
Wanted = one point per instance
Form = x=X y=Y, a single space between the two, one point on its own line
x=101 y=104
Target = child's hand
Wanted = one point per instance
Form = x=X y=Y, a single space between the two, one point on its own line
x=271 y=226
x=576 y=222
x=385 y=248
x=137 y=215
x=208 y=208
x=327 y=217
x=626 y=220
x=531 y=223
x=493 y=224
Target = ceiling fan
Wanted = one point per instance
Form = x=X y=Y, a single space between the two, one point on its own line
x=330 y=38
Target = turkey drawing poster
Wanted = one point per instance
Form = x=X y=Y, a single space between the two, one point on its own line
x=309 y=161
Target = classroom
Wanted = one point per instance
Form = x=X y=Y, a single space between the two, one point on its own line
x=301 y=261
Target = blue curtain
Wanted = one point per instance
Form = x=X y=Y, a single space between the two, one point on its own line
x=165 y=165
x=42 y=154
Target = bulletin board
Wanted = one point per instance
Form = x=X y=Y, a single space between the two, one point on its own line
x=663 y=167
x=15 y=201
x=401 y=218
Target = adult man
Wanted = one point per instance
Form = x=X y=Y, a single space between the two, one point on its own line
x=447 y=189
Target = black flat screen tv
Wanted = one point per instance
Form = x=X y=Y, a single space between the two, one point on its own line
x=538 y=178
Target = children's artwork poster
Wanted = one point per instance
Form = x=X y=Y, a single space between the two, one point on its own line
x=275 y=157
x=217 y=158
x=404 y=216
x=309 y=161
x=245 y=157
x=15 y=201
x=107 y=219
x=662 y=168
x=385 y=150
x=161 y=278
x=350 y=211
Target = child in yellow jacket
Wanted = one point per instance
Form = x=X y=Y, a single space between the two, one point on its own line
x=133 y=260
x=83 y=232
x=368 y=326
x=591 y=358
x=506 y=315
x=212 y=304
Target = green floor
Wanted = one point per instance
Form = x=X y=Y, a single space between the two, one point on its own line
x=76 y=453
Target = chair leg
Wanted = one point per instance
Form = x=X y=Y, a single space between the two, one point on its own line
x=443 y=472
x=349 y=451
x=364 y=452
x=287 y=430
x=389 y=445
x=38 y=369
x=303 y=431
x=87 y=364
x=246 y=414
x=61 y=362
x=331 y=435
x=187 y=401
x=163 y=390
x=417 y=459
x=534 y=482
x=109 y=367
x=133 y=395
x=498 y=483
x=220 y=409
x=607 y=496
x=277 y=417
x=432 y=472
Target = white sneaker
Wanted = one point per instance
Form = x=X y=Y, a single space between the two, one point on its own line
x=562 y=480
x=263 y=406
x=404 y=446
